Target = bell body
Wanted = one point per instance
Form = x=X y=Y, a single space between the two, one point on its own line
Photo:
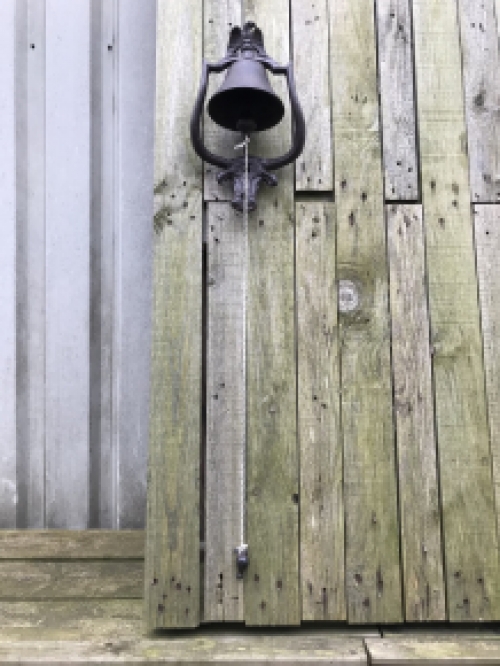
x=245 y=101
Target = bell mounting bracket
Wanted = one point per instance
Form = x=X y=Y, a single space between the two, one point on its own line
x=248 y=41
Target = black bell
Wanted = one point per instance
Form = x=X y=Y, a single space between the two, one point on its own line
x=245 y=102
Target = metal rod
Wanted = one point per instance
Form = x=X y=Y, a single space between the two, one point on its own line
x=242 y=550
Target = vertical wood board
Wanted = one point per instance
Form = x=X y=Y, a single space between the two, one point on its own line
x=370 y=489
x=272 y=580
x=309 y=27
x=172 y=580
x=470 y=538
x=420 y=510
x=8 y=206
x=481 y=62
x=318 y=376
x=67 y=262
x=487 y=236
x=226 y=412
x=397 y=99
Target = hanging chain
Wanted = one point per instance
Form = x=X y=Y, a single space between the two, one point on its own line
x=242 y=550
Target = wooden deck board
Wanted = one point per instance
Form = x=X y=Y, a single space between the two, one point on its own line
x=385 y=652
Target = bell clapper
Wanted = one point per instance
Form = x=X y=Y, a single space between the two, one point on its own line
x=241 y=551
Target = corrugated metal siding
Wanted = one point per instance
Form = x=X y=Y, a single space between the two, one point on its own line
x=76 y=206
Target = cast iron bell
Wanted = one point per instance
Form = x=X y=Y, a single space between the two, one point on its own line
x=245 y=102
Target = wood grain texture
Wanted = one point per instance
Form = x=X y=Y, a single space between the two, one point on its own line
x=219 y=17
x=71 y=544
x=31 y=165
x=8 y=212
x=397 y=99
x=487 y=237
x=172 y=581
x=84 y=579
x=420 y=511
x=67 y=259
x=199 y=650
x=321 y=473
x=76 y=619
x=481 y=62
x=370 y=493
x=272 y=580
x=470 y=539
x=387 y=651
x=314 y=168
x=226 y=411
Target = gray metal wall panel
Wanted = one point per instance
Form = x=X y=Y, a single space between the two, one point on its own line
x=76 y=197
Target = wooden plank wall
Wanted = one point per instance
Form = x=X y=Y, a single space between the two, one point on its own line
x=76 y=198
x=351 y=336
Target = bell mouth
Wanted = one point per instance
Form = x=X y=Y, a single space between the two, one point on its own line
x=237 y=106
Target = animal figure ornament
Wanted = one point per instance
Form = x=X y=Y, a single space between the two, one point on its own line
x=246 y=102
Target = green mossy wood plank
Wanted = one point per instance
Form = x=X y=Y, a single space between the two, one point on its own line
x=226 y=412
x=370 y=495
x=68 y=544
x=314 y=168
x=272 y=580
x=196 y=651
x=395 y=57
x=219 y=16
x=470 y=537
x=420 y=515
x=172 y=582
x=321 y=492
x=487 y=235
x=107 y=579
x=481 y=63
x=405 y=651
x=76 y=619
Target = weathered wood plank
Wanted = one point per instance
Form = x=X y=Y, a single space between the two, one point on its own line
x=103 y=454
x=481 y=62
x=397 y=99
x=272 y=580
x=133 y=247
x=314 y=168
x=321 y=491
x=67 y=262
x=226 y=411
x=107 y=579
x=372 y=540
x=69 y=544
x=219 y=16
x=385 y=651
x=173 y=534
x=8 y=210
x=199 y=651
x=469 y=521
x=487 y=237
x=420 y=514
x=80 y=619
